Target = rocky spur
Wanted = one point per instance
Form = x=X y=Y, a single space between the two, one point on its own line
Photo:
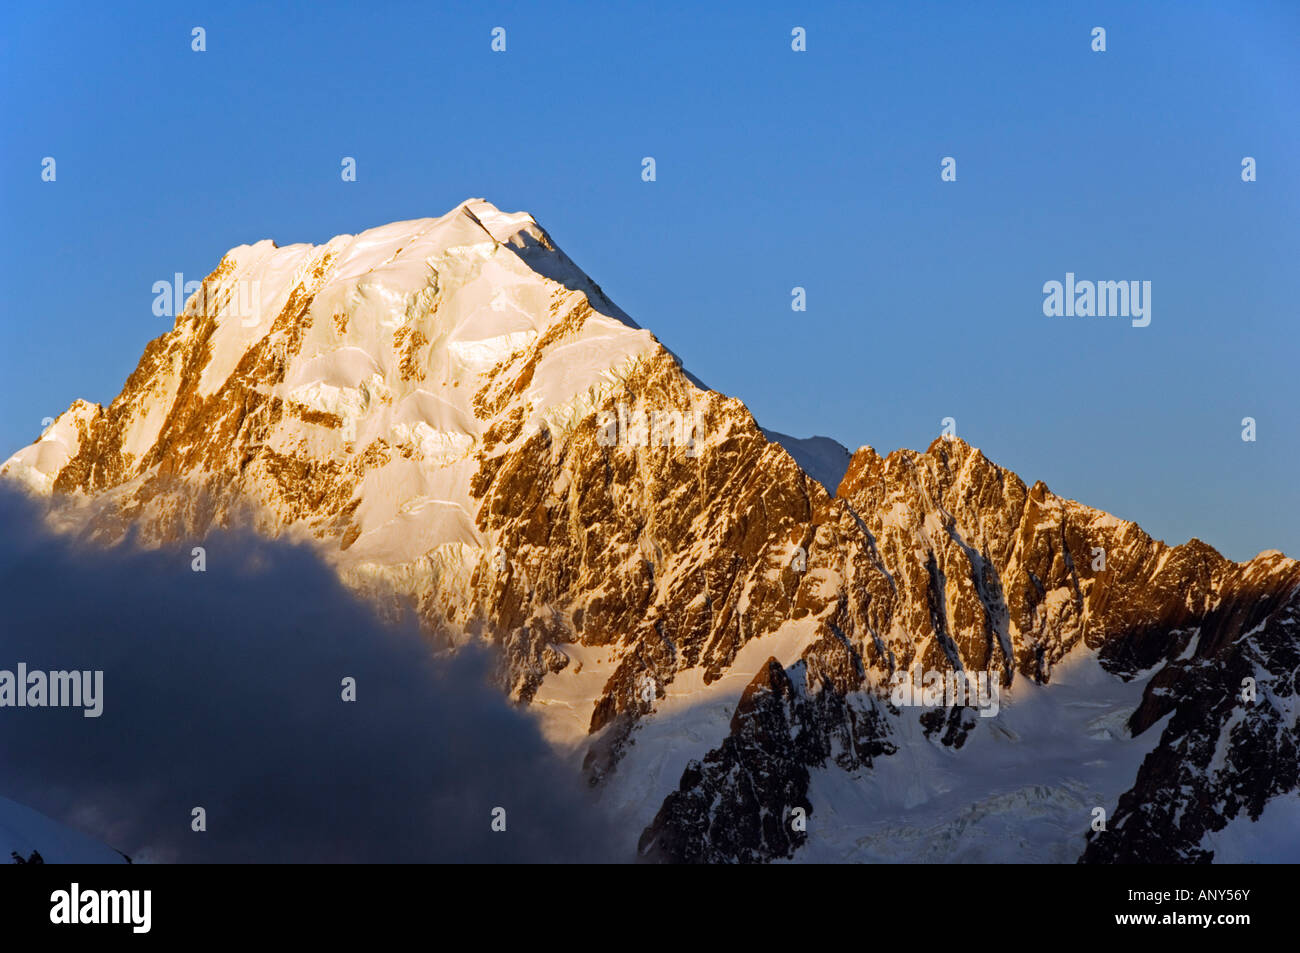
x=37 y=689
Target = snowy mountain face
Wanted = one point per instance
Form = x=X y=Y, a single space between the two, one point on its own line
x=703 y=615
x=27 y=836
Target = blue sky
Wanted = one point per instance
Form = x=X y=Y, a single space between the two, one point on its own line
x=775 y=169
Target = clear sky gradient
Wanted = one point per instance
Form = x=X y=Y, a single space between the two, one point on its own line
x=775 y=169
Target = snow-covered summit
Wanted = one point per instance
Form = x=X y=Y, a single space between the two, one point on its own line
x=385 y=343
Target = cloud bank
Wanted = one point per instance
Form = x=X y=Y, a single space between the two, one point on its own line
x=223 y=690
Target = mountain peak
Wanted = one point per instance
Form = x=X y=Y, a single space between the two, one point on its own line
x=394 y=359
x=502 y=226
x=461 y=421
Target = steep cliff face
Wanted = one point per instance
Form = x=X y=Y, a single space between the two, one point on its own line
x=1232 y=742
x=461 y=421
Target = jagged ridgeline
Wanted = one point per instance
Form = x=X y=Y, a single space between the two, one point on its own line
x=706 y=620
